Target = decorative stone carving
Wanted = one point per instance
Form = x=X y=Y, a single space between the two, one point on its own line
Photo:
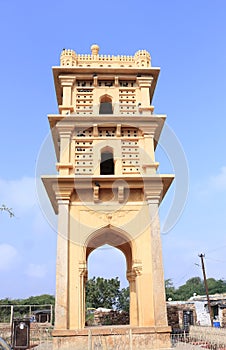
x=96 y=194
x=121 y=194
x=137 y=267
x=83 y=269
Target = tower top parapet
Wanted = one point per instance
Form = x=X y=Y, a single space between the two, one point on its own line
x=70 y=58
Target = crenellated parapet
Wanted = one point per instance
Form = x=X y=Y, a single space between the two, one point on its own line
x=69 y=58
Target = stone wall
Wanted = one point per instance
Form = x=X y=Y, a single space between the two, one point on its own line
x=223 y=318
x=175 y=313
x=173 y=316
x=111 y=318
x=114 y=337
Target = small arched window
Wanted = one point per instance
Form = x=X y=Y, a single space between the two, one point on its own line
x=106 y=105
x=107 y=166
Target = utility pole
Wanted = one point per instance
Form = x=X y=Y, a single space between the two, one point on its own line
x=206 y=287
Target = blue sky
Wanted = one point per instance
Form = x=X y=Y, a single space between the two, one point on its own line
x=187 y=40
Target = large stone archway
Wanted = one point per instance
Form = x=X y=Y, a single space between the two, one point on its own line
x=120 y=240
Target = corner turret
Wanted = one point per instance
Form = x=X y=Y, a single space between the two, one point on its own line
x=142 y=58
x=68 y=58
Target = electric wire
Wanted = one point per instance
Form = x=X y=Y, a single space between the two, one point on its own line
x=178 y=282
x=215 y=249
x=216 y=260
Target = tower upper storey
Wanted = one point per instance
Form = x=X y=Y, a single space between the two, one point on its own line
x=106 y=129
x=93 y=84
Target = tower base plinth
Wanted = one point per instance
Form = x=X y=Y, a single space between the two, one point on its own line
x=113 y=337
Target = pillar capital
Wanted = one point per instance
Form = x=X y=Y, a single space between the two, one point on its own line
x=63 y=193
x=131 y=276
x=144 y=82
x=153 y=205
x=153 y=200
x=149 y=130
x=65 y=130
x=135 y=271
x=67 y=80
x=137 y=268
x=153 y=190
x=83 y=269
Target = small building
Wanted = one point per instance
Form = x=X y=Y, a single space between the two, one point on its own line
x=182 y=314
x=218 y=307
x=42 y=316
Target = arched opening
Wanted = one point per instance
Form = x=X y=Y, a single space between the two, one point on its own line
x=103 y=249
x=113 y=237
x=106 y=105
x=107 y=289
x=114 y=264
x=107 y=166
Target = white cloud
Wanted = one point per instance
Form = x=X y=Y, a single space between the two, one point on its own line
x=18 y=194
x=218 y=181
x=41 y=226
x=9 y=256
x=212 y=184
x=36 y=270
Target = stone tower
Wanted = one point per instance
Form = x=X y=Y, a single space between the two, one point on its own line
x=107 y=190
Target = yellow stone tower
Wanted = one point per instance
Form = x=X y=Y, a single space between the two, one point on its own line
x=107 y=191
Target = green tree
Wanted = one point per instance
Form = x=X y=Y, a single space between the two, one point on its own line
x=186 y=291
x=194 y=285
x=102 y=292
x=170 y=289
x=19 y=310
x=39 y=300
x=123 y=300
x=216 y=286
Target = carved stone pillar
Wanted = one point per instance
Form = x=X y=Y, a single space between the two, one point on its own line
x=157 y=264
x=149 y=165
x=62 y=281
x=149 y=145
x=83 y=278
x=118 y=165
x=67 y=82
x=137 y=271
x=145 y=85
x=131 y=277
x=65 y=164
